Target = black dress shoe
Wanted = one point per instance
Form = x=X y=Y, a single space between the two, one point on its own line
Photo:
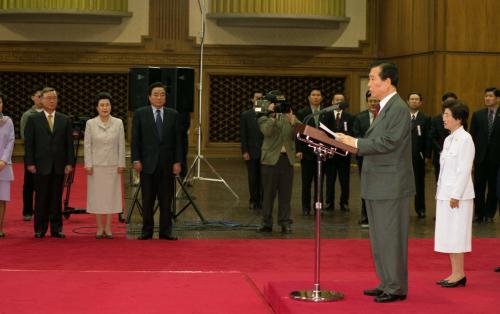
x=39 y=235
x=373 y=292
x=286 y=229
x=168 y=237
x=145 y=237
x=387 y=297
x=265 y=229
x=306 y=211
x=344 y=208
x=449 y=284
x=440 y=282
x=497 y=270
x=421 y=214
x=488 y=220
x=59 y=235
x=2 y=235
x=329 y=207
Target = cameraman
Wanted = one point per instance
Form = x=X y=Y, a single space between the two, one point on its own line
x=278 y=157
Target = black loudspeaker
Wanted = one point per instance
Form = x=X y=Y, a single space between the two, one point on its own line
x=179 y=82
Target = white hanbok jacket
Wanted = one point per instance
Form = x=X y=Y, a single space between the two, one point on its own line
x=457 y=157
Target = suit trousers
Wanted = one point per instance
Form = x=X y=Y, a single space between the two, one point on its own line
x=340 y=166
x=157 y=185
x=277 y=179
x=486 y=202
x=308 y=169
x=364 y=215
x=389 y=220
x=28 y=191
x=419 y=173
x=254 y=182
x=48 y=202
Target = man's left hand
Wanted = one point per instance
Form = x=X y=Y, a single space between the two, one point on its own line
x=68 y=169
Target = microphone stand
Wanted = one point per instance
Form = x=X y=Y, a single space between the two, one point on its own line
x=316 y=294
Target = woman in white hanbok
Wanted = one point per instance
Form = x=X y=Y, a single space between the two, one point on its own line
x=455 y=193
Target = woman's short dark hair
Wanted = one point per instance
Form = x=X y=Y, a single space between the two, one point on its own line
x=103 y=95
x=459 y=110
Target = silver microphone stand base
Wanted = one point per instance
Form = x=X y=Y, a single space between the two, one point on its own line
x=316 y=295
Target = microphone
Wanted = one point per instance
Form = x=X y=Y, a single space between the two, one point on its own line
x=324 y=110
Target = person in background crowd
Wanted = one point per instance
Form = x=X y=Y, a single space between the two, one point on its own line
x=420 y=125
x=437 y=134
x=278 y=157
x=485 y=131
x=387 y=183
x=29 y=178
x=251 y=144
x=497 y=269
x=7 y=138
x=361 y=124
x=49 y=154
x=338 y=120
x=305 y=154
x=156 y=155
x=455 y=193
x=104 y=157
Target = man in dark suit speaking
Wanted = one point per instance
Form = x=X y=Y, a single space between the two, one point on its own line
x=156 y=154
x=386 y=148
x=49 y=154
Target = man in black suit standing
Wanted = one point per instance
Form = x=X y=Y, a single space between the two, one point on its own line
x=420 y=124
x=485 y=131
x=361 y=124
x=437 y=134
x=156 y=155
x=251 y=144
x=338 y=120
x=387 y=183
x=29 y=178
x=49 y=154
x=306 y=154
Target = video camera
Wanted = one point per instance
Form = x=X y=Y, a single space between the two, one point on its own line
x=79 y=124
x=275 y=97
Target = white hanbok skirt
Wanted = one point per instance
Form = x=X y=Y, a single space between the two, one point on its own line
x=453 y=232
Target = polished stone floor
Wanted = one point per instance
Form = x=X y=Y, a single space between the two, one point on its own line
x=228 y=217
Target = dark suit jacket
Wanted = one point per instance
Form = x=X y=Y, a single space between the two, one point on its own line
x=386 y=150
x=479 y=133
x=420 y=142
x=361 y=124
x=146 y=144
x=307 y=152
x=345 y=126
x=49 y=151
x=250 y=135
x=437 y=135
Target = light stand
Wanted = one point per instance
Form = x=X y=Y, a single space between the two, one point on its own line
x=199 y=157
x=316 y=294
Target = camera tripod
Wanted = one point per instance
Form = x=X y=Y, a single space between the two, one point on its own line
x=136 y=203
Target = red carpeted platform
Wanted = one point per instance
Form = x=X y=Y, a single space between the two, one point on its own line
x=83 y=275
x=129 y=292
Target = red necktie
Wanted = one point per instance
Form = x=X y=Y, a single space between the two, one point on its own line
x=337 y=121
x=377 y=109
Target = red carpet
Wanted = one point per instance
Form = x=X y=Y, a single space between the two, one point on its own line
x=83 y=275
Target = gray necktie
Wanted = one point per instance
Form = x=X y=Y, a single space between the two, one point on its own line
x=159 y=124
x=491 y=119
